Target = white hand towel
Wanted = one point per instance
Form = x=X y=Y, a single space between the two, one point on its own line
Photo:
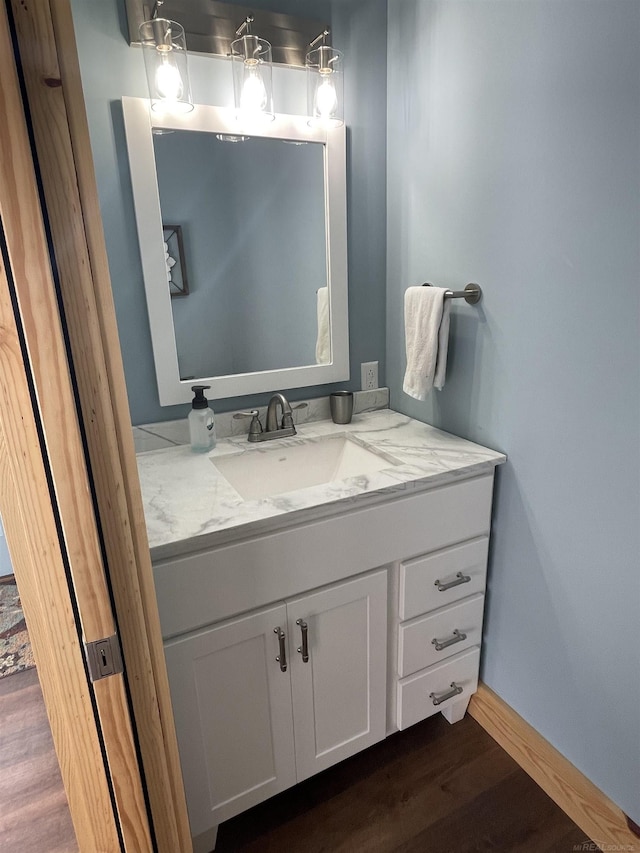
x=323 y=341
x=426 y=324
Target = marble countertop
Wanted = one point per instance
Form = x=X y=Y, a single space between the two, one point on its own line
x=190 y=506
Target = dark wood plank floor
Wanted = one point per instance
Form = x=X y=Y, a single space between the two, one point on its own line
x=34 y=815
x=435 y=788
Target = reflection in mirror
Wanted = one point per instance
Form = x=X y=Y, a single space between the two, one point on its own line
x=252 y=220
x=263 y=227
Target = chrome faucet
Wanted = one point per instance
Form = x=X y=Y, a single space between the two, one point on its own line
x=276 y=426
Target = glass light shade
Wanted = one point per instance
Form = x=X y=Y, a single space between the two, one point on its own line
x=252 y=78
x=325 y=88
x=165 y=60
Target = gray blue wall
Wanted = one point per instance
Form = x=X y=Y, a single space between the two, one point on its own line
x=5 y=561
x=110 y=69
x=514 y=161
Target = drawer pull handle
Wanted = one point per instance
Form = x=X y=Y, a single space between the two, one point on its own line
x=455 y=691
x=282 y=657
x=460 y=578
x=456 y=637
x=304 y=648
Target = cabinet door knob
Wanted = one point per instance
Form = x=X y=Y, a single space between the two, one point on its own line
x=456 y=637
x=438 y=700
x=282 y=657
x=460 y=578
x=304 y=648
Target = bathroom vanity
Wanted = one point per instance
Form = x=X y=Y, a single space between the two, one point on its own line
x=304 y=626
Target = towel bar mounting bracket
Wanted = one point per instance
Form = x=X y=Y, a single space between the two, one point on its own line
x=471 y=294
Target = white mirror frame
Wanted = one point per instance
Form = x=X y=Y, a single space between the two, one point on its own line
x=139 y=121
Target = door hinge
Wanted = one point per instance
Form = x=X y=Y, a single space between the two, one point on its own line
x=104 y=657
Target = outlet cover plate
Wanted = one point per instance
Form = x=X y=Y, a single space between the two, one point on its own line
x=369 y=375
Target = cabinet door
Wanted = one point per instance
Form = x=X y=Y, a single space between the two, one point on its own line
x=339 y=693
x=232 y=707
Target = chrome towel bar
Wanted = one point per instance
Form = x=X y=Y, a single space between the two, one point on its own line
x=471 y=294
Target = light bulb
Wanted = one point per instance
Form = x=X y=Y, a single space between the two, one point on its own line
x=254 y=94
x=326 y=98
x=168 y=82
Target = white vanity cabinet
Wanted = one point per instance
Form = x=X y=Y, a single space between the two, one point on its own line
x=272 y=697
x=375 y=586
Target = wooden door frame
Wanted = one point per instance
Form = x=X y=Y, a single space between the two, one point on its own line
x=48 y=512
x=64 y=328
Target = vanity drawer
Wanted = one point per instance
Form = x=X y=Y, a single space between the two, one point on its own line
x=416 y=646
x=421 y=579
x=414 y=700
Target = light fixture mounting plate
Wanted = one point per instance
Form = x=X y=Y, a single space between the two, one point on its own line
x=210 y=27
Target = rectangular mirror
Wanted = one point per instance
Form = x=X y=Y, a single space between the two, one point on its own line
x=255 y=222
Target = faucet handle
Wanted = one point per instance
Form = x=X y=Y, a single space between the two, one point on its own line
x=255 y=427
x=252 y=414
x=294 y=407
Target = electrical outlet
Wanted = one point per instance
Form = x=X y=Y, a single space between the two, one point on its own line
x=369 y=375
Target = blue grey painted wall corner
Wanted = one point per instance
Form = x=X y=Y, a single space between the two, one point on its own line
x=513 y=160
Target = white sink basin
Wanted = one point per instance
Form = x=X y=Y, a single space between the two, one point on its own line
x=270 y=469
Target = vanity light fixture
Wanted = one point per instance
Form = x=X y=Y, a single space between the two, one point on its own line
x=325 y=91
x=211 y=28
x=165 y=59
x=252 y=75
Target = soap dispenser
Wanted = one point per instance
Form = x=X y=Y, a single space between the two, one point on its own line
x=202 y=430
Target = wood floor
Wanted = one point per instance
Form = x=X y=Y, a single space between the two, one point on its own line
x=34 y=815
x=435 y=788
